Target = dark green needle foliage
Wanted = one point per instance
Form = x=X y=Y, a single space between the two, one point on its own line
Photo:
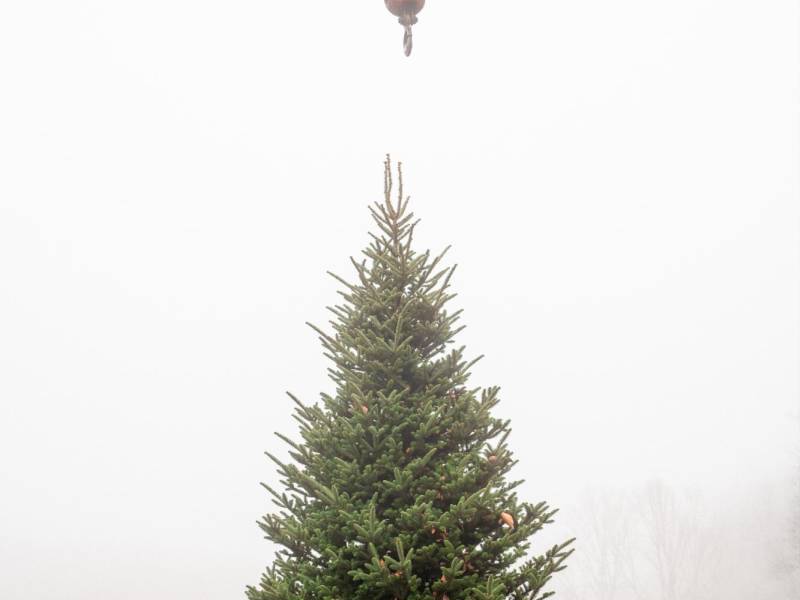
x=398 y=488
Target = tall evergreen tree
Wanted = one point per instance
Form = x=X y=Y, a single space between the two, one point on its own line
x=398 y=489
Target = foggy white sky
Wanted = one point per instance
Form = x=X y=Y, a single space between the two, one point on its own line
x=618 y=181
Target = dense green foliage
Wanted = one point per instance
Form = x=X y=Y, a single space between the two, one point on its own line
x=398 y=489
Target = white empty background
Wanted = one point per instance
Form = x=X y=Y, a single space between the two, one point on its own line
x=618 y=179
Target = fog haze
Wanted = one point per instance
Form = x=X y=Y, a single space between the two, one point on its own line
x=619 y=185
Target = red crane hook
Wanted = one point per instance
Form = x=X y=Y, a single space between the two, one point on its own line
x=406 y=13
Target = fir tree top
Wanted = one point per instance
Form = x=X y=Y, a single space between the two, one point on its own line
x=398 y=488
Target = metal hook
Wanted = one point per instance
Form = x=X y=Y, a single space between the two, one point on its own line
x=408 y=40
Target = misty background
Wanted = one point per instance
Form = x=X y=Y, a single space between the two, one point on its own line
x=618 y=180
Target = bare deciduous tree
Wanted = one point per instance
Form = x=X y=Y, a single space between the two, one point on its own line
x=607 y=528
x=662 y=544
x=673 y=553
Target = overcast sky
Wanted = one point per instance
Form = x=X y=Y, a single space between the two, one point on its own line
x=618 y=180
